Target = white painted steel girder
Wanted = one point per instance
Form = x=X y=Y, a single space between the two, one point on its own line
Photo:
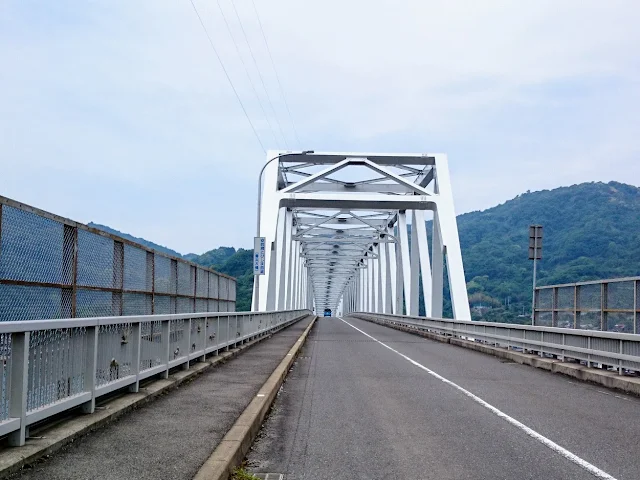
x=348 y=231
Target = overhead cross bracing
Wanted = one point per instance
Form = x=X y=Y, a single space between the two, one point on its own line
x=336 y=227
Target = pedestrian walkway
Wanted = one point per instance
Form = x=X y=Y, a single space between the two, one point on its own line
x=170 y=438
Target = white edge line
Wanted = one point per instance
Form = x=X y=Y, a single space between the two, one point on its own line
x=529 y=431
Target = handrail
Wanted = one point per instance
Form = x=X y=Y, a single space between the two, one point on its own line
x=34 y=325
x=517 y=326
x=619 y=350
x=50 y=366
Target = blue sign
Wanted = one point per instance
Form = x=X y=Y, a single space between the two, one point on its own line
x=258 y=255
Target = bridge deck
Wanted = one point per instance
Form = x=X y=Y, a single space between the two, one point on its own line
x=171 y=437
x=353 y=409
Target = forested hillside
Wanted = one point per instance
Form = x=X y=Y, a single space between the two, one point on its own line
x=236 y=263
x=591 y=231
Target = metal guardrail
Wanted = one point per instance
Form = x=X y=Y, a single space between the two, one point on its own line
x=50 y=366
x=619 y=350
x=605 y=305
x=53 y=267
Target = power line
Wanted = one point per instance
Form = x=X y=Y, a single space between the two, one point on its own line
x=276 y=72
x=246 y=70
x=227 y=75
x=259 y=73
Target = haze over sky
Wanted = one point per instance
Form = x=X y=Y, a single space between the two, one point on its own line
x=118 y=112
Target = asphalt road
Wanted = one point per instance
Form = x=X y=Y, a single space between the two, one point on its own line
x=352 y=408
x=171 y=437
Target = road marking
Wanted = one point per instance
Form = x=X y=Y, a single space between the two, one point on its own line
x=529 y=431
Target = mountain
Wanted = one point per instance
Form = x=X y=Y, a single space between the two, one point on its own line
x=213 y=258
x=141 y=241
x=238 y=264
x=227 y=260
x=591 y=231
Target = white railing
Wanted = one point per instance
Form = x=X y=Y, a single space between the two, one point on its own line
x=49 y=366
x=619 y=350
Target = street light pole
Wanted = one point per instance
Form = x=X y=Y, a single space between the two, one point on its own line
x=256 y=278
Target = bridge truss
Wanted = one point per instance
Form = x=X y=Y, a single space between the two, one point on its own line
x=349 y=232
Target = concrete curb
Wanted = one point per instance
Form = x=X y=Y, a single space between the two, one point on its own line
x=56 y=437
x=236 y=443
x=605 y=378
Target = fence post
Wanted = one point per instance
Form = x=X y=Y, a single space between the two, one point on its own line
x=90 y=367
x=636 y=305
x=118 y=278
x=136 y=338
x=218 y=335
x=69 y=271
x=19 y=386
x=151 y=279
x=173 y=286
x=166 y=345
x=576 y=307
x=603 y=306
x=554 y=307
x=194 y=279
x=187 y=325
x=205 y=336
x=620 y=360
x=207 y=295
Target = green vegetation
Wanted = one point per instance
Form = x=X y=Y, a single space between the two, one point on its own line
x=241 y=474
x=591 y=231
x=238 y=264
x=212 y=258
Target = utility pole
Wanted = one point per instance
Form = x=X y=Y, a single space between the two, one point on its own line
x=535 y=254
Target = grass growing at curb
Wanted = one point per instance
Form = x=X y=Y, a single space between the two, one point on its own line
x=241 y=474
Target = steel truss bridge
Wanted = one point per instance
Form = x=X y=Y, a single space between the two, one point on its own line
x=93 y=325
x=336 y=227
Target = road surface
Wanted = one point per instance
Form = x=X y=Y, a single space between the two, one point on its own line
x=368 y=402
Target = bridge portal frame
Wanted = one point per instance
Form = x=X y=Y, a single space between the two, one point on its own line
x=341 y=269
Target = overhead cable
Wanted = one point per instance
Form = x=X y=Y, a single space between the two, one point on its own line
x=227 y=75
x=273 y=64
x=246 y=70
x=246 y=38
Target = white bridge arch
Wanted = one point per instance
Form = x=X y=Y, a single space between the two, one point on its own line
x=337 y=236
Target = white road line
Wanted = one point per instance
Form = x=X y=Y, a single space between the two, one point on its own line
x=532 y=433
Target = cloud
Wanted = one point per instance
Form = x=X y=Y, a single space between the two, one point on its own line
x=118 y=112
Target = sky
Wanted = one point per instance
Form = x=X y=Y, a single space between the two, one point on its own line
x=119 y=112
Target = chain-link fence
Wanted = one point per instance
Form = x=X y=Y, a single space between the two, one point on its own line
x=52 y=267
x=608 y=305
